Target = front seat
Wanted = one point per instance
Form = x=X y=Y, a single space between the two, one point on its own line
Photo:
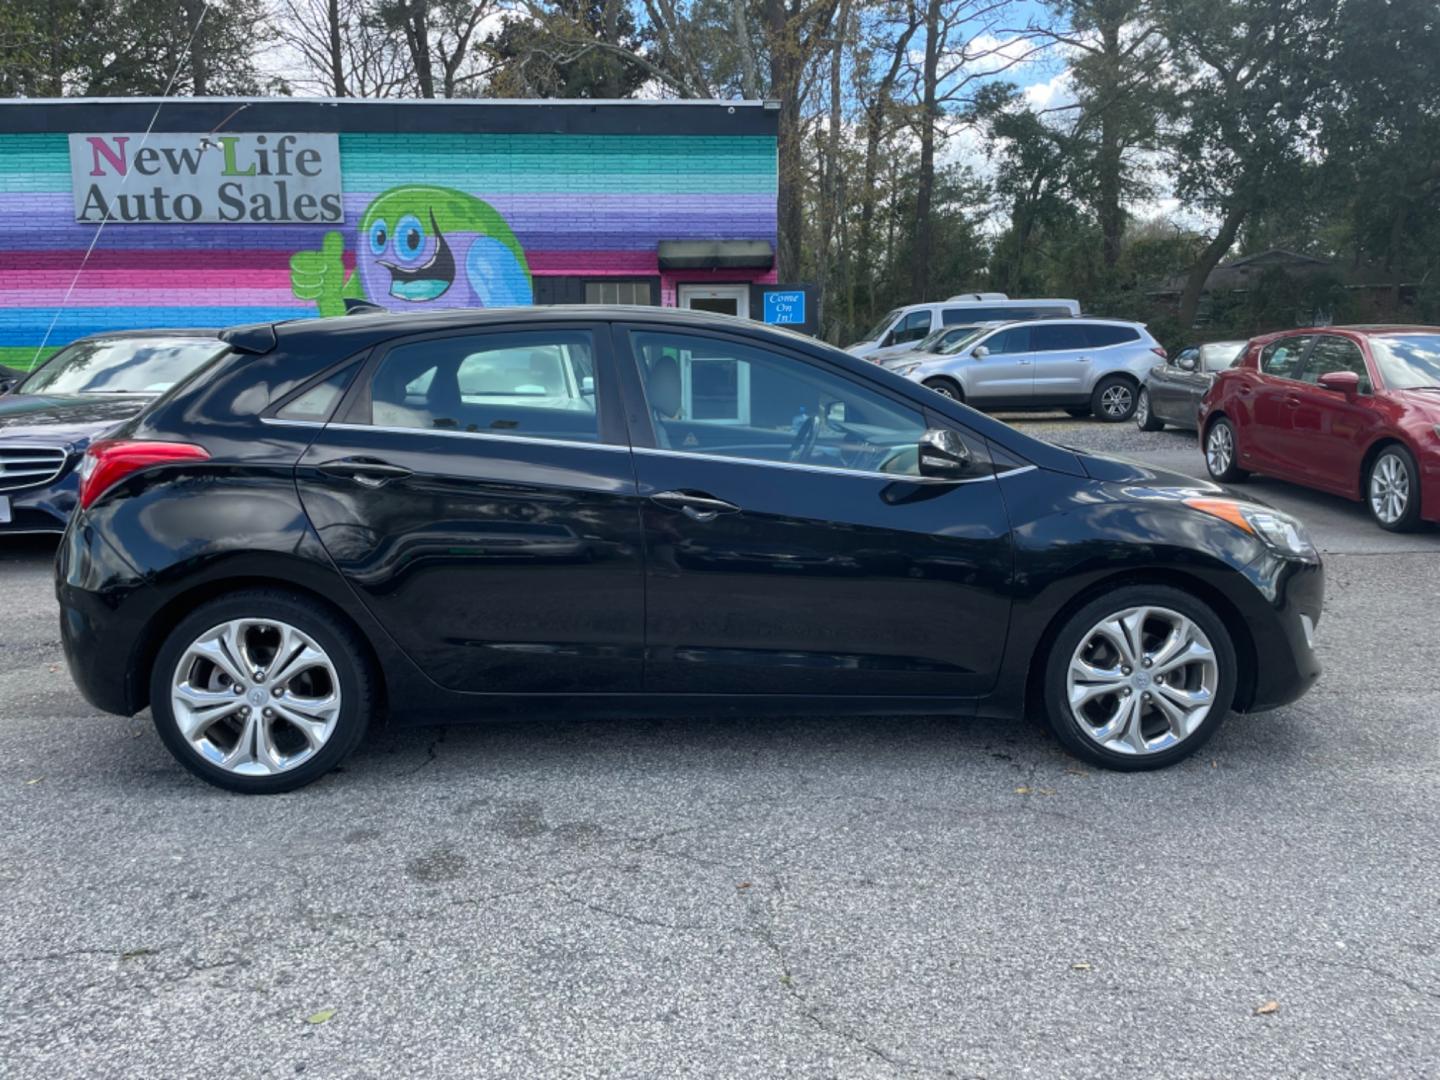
x=663 y=390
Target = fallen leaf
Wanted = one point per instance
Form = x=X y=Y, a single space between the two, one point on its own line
x=320 y=1017
x=1268 y=1008
x=1080 y=965
x=1076 y=772
x=132 y=954
x=29 y=783
x=1022 y=791
x=743 y=885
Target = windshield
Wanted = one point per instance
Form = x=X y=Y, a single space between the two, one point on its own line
x=1408 y=361
x=121 y=365
x=879 y=328
x=932 y=342
x=965 y=342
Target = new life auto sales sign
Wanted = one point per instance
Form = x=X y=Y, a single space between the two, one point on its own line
x=271 y=178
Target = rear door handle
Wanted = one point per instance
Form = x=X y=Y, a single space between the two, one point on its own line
x=695 y=505
x=367 y=472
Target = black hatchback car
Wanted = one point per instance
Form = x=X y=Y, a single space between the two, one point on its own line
x=476 y=514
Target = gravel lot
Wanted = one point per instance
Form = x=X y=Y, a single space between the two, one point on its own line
x=813 y=898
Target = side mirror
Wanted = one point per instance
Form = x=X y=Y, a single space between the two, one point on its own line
x=6 y=385
x=980 y=352
x=587 y=385
x=1186 y=363
x=943 y=455
x=1341 y=382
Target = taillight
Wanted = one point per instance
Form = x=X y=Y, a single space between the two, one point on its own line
x=1159 y=350
x=108 y=461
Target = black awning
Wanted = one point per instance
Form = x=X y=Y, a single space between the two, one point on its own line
x=716 y=255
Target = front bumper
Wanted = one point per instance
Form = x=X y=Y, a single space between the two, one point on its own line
x=1282 y=629
x=44 y=509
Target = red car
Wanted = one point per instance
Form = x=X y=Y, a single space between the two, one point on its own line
x=1352 y=410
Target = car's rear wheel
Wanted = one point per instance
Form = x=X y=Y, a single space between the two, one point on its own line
x=261 y=692
x=1221 y=453
x=1139 y=678
x=1146 y=420
x=1113 y=399
x=946 y=388
x=1392 y=490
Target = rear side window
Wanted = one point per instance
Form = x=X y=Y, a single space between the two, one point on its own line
x=1099 y=336
x=1057 y=337
x=536 y=383
x=1334 y=353
x=1282 y=358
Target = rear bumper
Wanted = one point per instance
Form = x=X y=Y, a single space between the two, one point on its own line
x=99 y=645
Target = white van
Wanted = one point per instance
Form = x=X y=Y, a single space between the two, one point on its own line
x=901 y=328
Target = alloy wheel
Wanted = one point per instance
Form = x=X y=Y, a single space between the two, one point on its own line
x=1142 y=680
x=1115 y=400
x=1389 y=488
x=255 y=697
x=1219 y=449
x=1142 y=408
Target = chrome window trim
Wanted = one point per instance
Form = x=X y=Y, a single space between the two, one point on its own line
x=826 y=469
x=278 y=422
x=524 y=440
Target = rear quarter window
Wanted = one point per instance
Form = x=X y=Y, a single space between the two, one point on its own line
x=1101 y=336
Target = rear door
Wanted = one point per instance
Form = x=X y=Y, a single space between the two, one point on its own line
x=792 y=547
x=1268 y=440
x=478 y=496
x=1062 y=362
x=1167 y=386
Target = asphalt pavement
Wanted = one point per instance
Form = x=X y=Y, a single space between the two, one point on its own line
x=761 y=898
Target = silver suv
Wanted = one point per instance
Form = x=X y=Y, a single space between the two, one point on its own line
x=1081 y=365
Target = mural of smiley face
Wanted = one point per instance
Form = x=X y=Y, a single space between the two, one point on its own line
x=440 y=247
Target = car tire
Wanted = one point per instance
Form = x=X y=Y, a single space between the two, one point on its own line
x=1113 y=399
x=1222 y=450
x=1079 y=412
x=946 y=388
x=1392 y=489
x=1145 y=419
x=1115 y=724
x=289 y=726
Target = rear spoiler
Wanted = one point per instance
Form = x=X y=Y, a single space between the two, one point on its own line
x=257 y=338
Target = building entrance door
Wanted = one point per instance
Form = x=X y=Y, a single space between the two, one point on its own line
x=721 y=299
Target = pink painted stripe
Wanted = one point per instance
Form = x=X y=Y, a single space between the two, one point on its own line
x=196 y=278
x=145 y=296
x=593 y=262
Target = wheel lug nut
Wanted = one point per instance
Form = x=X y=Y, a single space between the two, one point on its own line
x=259 y=676
x=267 y=713
x=1147 y=661
x=278 y=691
x=1126 y=669
x=237 y=688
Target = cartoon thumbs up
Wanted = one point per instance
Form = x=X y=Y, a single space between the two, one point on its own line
x=320 y=275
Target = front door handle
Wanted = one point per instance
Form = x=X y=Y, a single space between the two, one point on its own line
x=1293 y=400
x=695 y=505
x=367 y=472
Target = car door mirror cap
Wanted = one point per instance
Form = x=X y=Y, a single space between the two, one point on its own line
x=1186 y=363
x=980 y=352
x=1341 y=382
x=944 y=455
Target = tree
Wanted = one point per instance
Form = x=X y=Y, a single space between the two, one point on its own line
x=556 y=54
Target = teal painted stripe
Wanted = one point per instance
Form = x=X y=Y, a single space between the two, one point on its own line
x=486 y=182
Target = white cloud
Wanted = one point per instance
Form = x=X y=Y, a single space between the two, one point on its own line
x=1055 y=92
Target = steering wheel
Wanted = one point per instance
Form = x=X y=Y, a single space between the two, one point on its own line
x=804 y=443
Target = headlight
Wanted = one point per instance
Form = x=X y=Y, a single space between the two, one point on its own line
x=1280 y=531
x=904 y=369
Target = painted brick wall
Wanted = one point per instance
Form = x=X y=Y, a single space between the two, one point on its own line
x=576 y=204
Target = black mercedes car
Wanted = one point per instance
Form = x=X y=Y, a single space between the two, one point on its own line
x=606 y=510
x=49 y=417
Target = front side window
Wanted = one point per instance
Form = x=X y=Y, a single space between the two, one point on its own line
x=532 y=383
x=1016 y=339
x=915 y=327
x=1282 y=358
x=1334 y=353
x=1222 y=355
x=721 y=397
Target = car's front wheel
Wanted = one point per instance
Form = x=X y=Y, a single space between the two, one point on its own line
x=261 y=691
x=1392 y=490
x=1145 y=419
x=946 y=388
x=1139 y=678
x=1113 y=399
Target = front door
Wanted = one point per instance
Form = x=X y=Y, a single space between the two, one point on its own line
x=1005 y=375
x=1329 y=432
x=721 y=299
x=791 y=546
x=477 y=494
